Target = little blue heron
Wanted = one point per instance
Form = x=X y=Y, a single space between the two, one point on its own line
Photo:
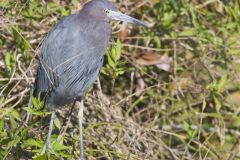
x=71 y=57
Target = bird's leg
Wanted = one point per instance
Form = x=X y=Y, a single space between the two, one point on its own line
x=47 y=145
x=80 y=120
x=28 y=114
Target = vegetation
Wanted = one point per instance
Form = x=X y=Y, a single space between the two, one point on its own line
x=168 y=92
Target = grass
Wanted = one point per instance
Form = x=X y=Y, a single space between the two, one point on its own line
x=168 y=92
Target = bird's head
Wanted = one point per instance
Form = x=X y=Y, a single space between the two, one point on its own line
x=106 y=11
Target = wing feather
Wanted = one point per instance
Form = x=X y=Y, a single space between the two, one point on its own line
x=69 y=62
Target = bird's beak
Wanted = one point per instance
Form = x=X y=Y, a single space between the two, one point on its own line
x=118 y=16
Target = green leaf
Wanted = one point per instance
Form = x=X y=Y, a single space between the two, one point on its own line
x=41 y=157
x=191 y=132
x=157 y=41
x=212 y=86
x=57 y=123
x=187 y=32
x=58 y=146
x=222 y=83
x=13 y=122
x=37 y=102
x=10 y=61
x=218 y=104
x=34 y=101
x=15 y=141
x=25 y=131
x=39 y=113
x=115 y=67
x=28 y=109
x=111 y=62
x=32 y=142
x=186 y=126
x=1 y=100
x=1 y=124
x=15 y=114
x=64 y=12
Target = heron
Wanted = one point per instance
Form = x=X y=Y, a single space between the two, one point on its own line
x=71 y=57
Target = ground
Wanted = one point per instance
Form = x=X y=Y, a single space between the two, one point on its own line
x=167 y=92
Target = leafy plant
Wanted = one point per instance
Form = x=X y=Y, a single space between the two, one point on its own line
x=115 y=67
x=190 y=131
x=216 y=87
x=202 y=38
x=37 y=107
x=10 y=61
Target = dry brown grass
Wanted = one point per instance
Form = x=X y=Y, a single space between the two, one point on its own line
x=189 y=110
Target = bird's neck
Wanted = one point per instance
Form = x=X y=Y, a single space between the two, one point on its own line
x=97 y=28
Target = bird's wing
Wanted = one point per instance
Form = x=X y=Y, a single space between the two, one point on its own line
x=75 y=78
x=68 y=57
x=46 y=78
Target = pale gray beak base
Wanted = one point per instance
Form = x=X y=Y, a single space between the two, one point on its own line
x=118 y=16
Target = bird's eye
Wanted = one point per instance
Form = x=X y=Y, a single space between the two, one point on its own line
x=106 y=11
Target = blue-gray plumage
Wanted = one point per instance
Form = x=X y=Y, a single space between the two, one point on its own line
x=71 y=58
x=72 y=54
